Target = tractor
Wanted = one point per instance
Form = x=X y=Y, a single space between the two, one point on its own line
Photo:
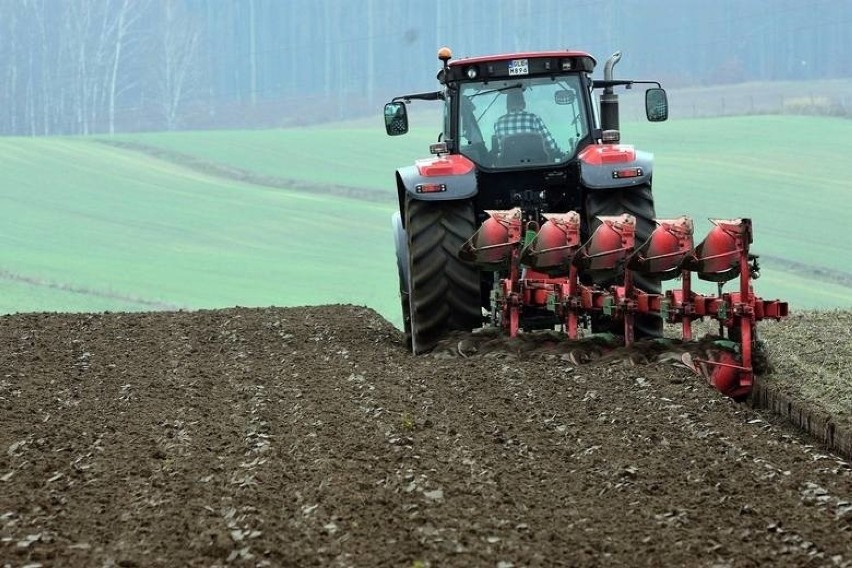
x=532 y=215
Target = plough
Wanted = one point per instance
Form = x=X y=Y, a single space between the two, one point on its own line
x=547 y=266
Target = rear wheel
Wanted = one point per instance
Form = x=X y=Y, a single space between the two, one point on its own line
x=444 y=292
x=639 y=202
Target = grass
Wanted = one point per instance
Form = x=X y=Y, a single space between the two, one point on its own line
x=356 y=153
x=27 y=296
x=87 y=227
x=89 y=221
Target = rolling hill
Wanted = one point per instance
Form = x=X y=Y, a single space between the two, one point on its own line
x=217 y=219
x=88 y=228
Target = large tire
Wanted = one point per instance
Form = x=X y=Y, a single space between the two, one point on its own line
x=639 y=202
x=444 y=292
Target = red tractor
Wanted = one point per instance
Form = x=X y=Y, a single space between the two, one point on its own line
x=533 y=215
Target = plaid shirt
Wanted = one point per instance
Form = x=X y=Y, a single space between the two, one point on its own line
x=521 y=122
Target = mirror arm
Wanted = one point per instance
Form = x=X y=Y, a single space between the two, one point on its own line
x=599 y=84
x=656 y=83
x=431 y=96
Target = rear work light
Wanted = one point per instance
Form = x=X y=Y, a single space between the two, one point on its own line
x=610 y=136
x=430 y=187
x=438 y=148
x=627 y=173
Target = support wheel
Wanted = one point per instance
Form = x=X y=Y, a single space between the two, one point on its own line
x=443 y=291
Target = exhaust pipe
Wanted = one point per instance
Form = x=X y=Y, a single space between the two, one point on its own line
x=609 y=100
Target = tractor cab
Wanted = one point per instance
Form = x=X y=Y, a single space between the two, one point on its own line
x=522 y=110
x=533 y=121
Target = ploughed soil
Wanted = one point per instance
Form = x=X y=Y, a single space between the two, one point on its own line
x=310 y=437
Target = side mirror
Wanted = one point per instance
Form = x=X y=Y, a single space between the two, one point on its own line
x=656 y=105
x=396 y=119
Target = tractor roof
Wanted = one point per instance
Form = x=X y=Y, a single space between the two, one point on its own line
x=522 y=55
x=524 y=63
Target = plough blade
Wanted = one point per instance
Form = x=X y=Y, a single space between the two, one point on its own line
x=664 y=251
x=717 y=258
x=554 y=246
x=491 y=247
x=726 y=373
x=604 y=253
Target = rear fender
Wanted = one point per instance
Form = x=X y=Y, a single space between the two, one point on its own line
x=445 y=178
x=609 y=166
x=400 y=241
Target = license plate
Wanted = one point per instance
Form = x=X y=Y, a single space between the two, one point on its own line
x=519 y=67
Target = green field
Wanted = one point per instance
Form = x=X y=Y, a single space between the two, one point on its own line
x=88 y=227
x=115 y=224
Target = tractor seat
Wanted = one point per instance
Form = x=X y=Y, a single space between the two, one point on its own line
x=522 y=149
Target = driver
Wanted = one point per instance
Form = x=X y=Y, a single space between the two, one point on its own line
x=518 y=121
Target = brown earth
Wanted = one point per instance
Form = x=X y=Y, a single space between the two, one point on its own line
x=309 y=437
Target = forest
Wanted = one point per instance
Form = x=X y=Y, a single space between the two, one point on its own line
x=106 y=66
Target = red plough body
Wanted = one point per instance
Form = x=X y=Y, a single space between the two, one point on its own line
x=545 y=264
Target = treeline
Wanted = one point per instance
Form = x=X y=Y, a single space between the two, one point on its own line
x=96 y=66
x=84 y=66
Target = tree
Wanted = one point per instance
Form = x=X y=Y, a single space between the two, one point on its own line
x=179 y=42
